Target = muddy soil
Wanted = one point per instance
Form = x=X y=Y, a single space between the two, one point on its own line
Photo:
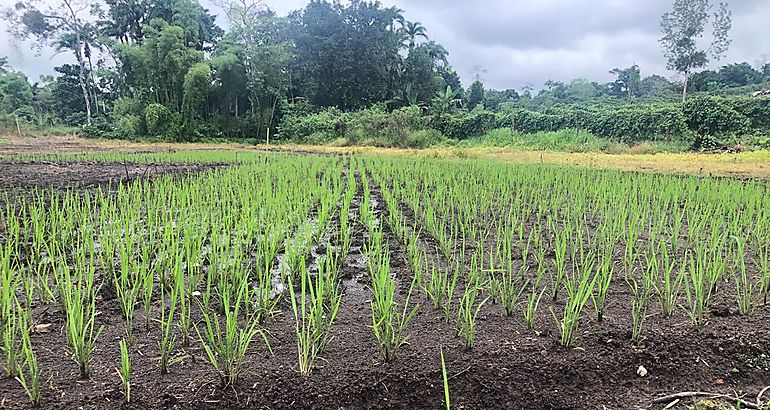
x=510 y=367
x=82 y=175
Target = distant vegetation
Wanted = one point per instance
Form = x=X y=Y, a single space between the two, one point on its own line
x=354 y=73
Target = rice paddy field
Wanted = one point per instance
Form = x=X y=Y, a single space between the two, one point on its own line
x=221 y=280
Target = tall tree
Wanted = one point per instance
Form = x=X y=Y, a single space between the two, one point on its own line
x=347 y=55
x=260 y=40
x=475 y=94
x=739 y=74
x=683 y=26
x=655 y=86
x=419 y=76
x=125 y=20
x=68 y=105
x=60 y=22
x=627 y=82
x=412 y=30
x=154 y=69
x=195 y=90
x=16 y=96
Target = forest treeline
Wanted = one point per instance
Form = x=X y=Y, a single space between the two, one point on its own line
x=354 y=72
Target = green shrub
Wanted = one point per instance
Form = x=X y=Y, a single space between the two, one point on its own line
x=161 y=122
x=127 y=126
x=100 y=127
x=757 y=110
x=713 y=116
x=423 y=139
x=324 y=125
x=127 y=106
x=466 y=125
x=625 y=124
x=373 y=124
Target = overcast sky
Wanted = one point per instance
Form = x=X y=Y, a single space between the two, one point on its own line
x=510 y=43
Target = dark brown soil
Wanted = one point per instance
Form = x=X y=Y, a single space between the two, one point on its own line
x=81 y=175
x=509 y=367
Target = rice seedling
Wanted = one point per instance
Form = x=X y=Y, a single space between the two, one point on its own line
x=445 y=380
x=388 y=321
x=127 y=287
x=560 y=258
x=642 y=293
x=167 y=341
x=29 y=373
x=513 y=284
x=313 y=318
x=762 y=261
x=265 y=297
x=698 y=287
x=146 y=281
x=124 y=371
x=744 y=285
x=669 y=285
x=533 y=297
x=604 y=275
x=226 y=342
x=578 y=291
x=79 y=301
x=468 y=308
x=10 y=328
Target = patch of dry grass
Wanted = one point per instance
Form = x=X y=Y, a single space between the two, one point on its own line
x=746 y=164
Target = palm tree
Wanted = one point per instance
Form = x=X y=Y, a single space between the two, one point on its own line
x=437 y=52
x=412 y=30
x=397 y=16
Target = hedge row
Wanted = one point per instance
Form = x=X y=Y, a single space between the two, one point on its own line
x=696 y=118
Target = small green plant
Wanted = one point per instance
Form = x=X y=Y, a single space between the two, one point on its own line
x=28 y=371
x=388 y=324
x=579 y=289
x=127 y=288
x=468 y=310
x=125 y=370
x=441 y=288
x=445 y=379
x=80 y=315
x=167 y=341
x=315 y=309
x=604 y=280
x=744 y=286
x=698 y=287
x=642 y=292
x=533 y=301
x=12 y=330
x=226 y=343
x=511 y=289
x=669 y=286
x=560 y=258
x=762 y=260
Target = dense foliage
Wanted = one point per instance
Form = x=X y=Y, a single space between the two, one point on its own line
x=354 y=72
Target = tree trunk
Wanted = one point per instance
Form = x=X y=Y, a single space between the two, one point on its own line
x=684 y=89
x=82 y=81
x=81 y=62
